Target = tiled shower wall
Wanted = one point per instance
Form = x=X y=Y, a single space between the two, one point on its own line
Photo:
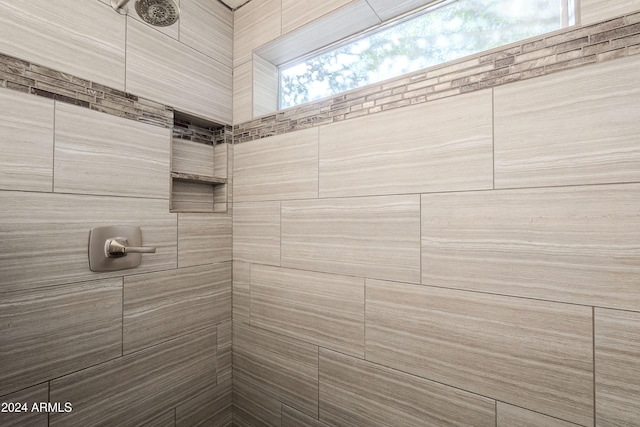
x=471 y=260
x=146 y=346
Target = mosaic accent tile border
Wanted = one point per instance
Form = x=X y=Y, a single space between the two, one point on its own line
x=187 y=130
x=31 y=78
x=561 y=50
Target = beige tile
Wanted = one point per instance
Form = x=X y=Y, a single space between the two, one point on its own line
x=276 y=168
x=355 y=392
x=256 y=232
x=364 y=236
x=35 y=225
x=251 y=408
x=296 y=13
x=353 y=17
x=437 y=146
x=241 y=290
x=45 y=33
x=167 y=419
x=203 y=239
x=551 y=131
x=134 y=388
x=573 y=244
x=265 y=87
x=192 y=157
x=533 y=354
x=387 y=9
x=281 y=367
x=256 y=23
x=210 y=408
x=223 y=352
x=26 y=142
x=592 y=11
x=155 y=303
x=293 y=418
x=53 y=331
x=192 y=197
x=617 y=367
x=207 y=25
x=243 y=93
x=323 y=309
x=29 y=396
x=97 y=153
x=167 y=71
x=512 y=416
x=222 y=168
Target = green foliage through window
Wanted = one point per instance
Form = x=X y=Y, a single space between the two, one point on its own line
x=448 y=31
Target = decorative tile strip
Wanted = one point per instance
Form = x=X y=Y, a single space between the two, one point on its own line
x=34 y=79
x=561 y=50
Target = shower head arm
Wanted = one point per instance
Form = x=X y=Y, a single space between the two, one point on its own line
x=120 y=6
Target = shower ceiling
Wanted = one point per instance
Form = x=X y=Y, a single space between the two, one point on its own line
x=234 y=4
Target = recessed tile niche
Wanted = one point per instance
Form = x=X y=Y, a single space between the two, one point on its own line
x=199 y=156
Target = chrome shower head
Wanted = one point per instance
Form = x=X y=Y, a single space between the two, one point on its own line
x=159 y=13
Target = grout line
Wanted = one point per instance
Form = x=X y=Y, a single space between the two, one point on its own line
x=493 y=135
x=593 y=337
x=364 y=320
x=122 y=320
x=53 y=149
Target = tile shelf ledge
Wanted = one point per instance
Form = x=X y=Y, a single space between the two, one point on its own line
x=197 y=178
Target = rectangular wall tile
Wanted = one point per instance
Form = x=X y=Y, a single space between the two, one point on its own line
x=265 y=87
x=242 y=93
x=323 y=309
x=97 y=153
x=387 y=9
x=276 y=168
x=298 y=13
x=437 y=146
x=167 y=419
x=192 y=157
x=241 y=291
x=570 y=128
x=533 y=354
x=26 y=142
x=592 y=11
x=31 y=395
x=573 y=244
x=210 y=408
x=36 y=224
x=251 y=408
x=203 y=239
x=133 y=388
x=512 y=416
x=155 y=303
x=224 y=355
x=364 y=236
x=207 y=25
x=293 y=418
x=53 y=331
x=283 y=368
x=191 y=197
x=254 y=24
x=167 y=71
x=45 y=33
x=256 y=232
x=617 y=367
x=355 y=392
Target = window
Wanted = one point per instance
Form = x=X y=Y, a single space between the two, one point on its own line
x=444 y=32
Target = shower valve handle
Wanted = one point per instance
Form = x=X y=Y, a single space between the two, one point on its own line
x=116 y=247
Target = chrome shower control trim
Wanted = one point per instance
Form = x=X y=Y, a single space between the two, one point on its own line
x=116 y=247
